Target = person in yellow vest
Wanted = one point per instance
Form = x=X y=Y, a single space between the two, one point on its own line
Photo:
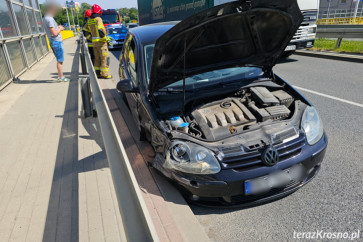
x=95 y=29
x=87 y=16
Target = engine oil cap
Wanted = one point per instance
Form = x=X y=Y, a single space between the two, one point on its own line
x=226 y=105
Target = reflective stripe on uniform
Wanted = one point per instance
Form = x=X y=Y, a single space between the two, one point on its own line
x=97 y=68
x=105 y=69
x=92 y=21
x=98 y=39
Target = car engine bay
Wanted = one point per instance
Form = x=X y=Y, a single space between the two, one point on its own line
x=219 y=119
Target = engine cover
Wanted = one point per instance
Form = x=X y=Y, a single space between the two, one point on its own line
x=222 y=118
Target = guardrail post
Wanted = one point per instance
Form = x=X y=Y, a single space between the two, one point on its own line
x=339 y=42
x=83 y=56
x=86 y=97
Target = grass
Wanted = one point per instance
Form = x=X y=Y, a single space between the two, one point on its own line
x=347 y=46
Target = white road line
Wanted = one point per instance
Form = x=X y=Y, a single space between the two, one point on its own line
x=331 y=97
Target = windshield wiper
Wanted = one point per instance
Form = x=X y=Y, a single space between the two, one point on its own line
x=173 y=90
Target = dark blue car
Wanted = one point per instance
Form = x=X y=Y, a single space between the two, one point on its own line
x=117 y=33
x=224 y=127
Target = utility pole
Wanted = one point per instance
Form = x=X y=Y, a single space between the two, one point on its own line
x=69 y=23
x=73 y=19
x=329 y=1
x=356 y=10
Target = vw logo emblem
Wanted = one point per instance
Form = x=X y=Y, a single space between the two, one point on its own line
x=270 y=157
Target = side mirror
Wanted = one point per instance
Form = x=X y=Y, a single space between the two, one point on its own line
x=126 y=85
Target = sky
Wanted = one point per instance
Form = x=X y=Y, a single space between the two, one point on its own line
x=106 y=3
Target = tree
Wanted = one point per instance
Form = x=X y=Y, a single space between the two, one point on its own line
x=128 y=14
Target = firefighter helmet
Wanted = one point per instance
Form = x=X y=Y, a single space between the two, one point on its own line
x=88 y=13
x=96 y=9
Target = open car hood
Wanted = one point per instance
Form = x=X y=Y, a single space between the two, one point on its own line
x=240 y=33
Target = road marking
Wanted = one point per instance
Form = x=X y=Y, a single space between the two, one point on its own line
x=331 y=97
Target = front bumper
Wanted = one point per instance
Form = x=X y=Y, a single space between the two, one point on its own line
x=116 y=44
x=300 y=45
x=228 y=185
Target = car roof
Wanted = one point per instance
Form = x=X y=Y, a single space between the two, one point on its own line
x=148 y=34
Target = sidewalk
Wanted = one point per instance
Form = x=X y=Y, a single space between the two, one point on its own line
x=55 y=183
x=331 y=55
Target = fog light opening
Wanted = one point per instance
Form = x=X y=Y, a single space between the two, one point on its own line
x=194 y=183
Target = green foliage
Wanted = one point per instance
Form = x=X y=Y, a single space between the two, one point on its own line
x=128 y=14
x=347 y=46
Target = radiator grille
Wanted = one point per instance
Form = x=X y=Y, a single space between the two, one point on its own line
x=248 y=160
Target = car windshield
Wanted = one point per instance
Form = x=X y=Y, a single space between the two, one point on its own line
x=207 y=78
x=117 y=31
x=110 y=18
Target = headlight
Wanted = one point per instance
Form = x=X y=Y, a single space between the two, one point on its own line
x=192 y=158
x=312 y=125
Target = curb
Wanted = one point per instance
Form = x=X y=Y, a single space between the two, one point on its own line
x=331 y=56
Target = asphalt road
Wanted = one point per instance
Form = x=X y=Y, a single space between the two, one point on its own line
x=332 y=202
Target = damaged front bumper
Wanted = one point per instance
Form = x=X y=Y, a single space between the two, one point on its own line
x=228 y=186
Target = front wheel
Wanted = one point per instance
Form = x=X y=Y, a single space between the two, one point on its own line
x=143 y=134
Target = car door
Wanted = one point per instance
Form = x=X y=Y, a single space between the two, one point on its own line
x=128 y=70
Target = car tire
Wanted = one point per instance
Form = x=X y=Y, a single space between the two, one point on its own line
x=143 y=135
x=287 y=54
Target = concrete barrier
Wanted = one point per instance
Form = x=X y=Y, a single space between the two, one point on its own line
x=66 y=34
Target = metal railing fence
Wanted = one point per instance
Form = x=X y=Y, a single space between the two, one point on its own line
x=339 y=13
x=22 y=38
x=340 y=16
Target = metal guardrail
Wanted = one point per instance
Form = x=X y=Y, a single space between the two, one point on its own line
x=137 y=222
x=339 y=32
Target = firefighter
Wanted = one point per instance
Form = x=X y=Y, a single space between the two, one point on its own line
x=97 y=32
x=87 y=16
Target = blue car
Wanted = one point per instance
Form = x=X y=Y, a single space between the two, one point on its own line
x=117 y=33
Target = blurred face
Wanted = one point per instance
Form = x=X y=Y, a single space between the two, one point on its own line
x=53 y=10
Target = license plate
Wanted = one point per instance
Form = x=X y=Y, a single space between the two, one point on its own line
x=309 y=44
x=278 y=179
x=290 y=47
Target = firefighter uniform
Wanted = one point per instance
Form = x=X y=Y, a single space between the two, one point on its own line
x=89 y=41
x=96 y=32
